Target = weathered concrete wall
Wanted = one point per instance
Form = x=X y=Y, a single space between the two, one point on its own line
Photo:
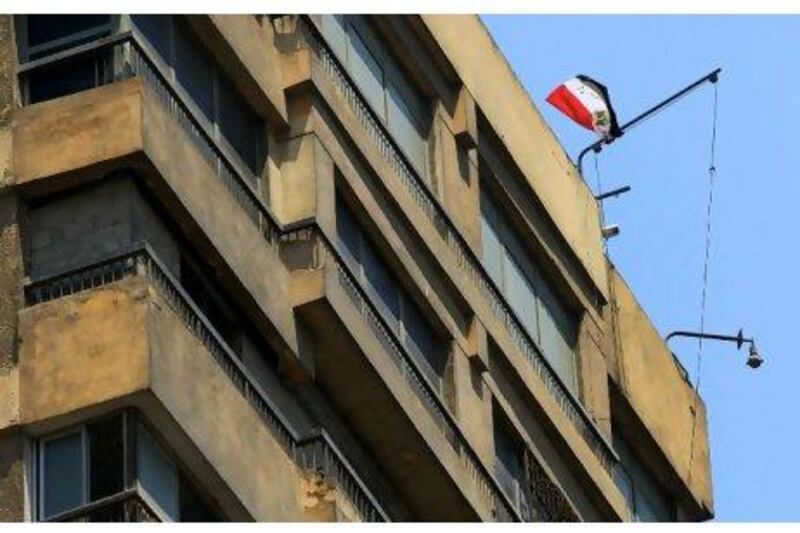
x=83 y=350
x=95 y=222
x=507 y=105
x=661 y=397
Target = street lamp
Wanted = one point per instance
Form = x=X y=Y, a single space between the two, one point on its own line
x=754 y=359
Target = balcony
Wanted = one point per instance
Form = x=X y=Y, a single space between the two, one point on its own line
x=361 y=362
x=135 y=119
x=152 y=341
x=457 y=258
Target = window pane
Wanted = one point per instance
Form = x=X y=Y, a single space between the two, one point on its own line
x=46 y=28
x=157 y=474
x=645 y=496
x=382 y=284
x=194 y=71
x=63 y=475
x=520 y=295
x=557 y=337
x=333 y=29
x=508 y=461
x=239 y=124
x=492 y=253
x=156 y=29
x=366 y=72
x=80 y=74
x=404 y=130
x=423 y=342
x=106 y=458
x=349 y=234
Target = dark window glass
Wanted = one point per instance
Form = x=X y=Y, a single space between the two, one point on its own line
x=156 y=29
x=45 y=28
x=422 y=341
x=239 y=125
x=157 y=474
x=63 y=475
x=106 y=458
x=80 y=74
x=382 y=282
x=194 y=71
x=199 y=290
x=192 y=508
x=349 y=233
x=508 y=455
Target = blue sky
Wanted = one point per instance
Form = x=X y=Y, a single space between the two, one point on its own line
x=754 y=276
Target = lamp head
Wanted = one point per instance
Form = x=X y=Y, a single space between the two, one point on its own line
x=754 y=360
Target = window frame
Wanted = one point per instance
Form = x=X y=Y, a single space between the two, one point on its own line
x=511 y=246
x=355 y=261
x=131 y=421
x=210 y=125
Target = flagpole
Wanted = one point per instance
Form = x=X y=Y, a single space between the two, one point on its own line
x=597 y=146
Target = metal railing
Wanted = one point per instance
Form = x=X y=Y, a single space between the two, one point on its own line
x=465 y=257
x=126 y=506
x=325 y=255
x=316 y=451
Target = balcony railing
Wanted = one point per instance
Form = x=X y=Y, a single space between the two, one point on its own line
x=127 y=506
x=315 y=451
x=326 y=254
x=465 y=257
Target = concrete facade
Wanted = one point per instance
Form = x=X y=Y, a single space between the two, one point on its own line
x=146 y=271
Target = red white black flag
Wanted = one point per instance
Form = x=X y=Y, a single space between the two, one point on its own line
x=586 y=101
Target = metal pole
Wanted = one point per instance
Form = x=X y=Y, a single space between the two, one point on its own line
x=739 y=338
x=597 y=146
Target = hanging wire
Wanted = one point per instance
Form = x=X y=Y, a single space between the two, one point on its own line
x=712 y=172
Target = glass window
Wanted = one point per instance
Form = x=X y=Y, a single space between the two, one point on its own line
x=557 y=337
x=520 y=294
x=106 y=458
x=63 y=30
x=404 y=129
x=367 y=73
x=382 y=282
x=63 y=474
x=422 y=342
x=238 y=124
x=508 y=455
x=194 y=71
x=156 y=29
x=333 y=29
x=79 y=74
x=492 y=252
x=349 y=234
x=647 y=500
x=157 y=474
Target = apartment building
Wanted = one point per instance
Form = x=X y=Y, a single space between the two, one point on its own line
x=313 y=268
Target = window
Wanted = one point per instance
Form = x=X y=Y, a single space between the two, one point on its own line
x=392 y=96
x=534 y=303
x=230 y=118
x=646 y=499
x=91 y=462
x=48 y=34
x=395 y=304
x=509 y=456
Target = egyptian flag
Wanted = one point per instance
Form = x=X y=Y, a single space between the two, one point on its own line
x=586 y=101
